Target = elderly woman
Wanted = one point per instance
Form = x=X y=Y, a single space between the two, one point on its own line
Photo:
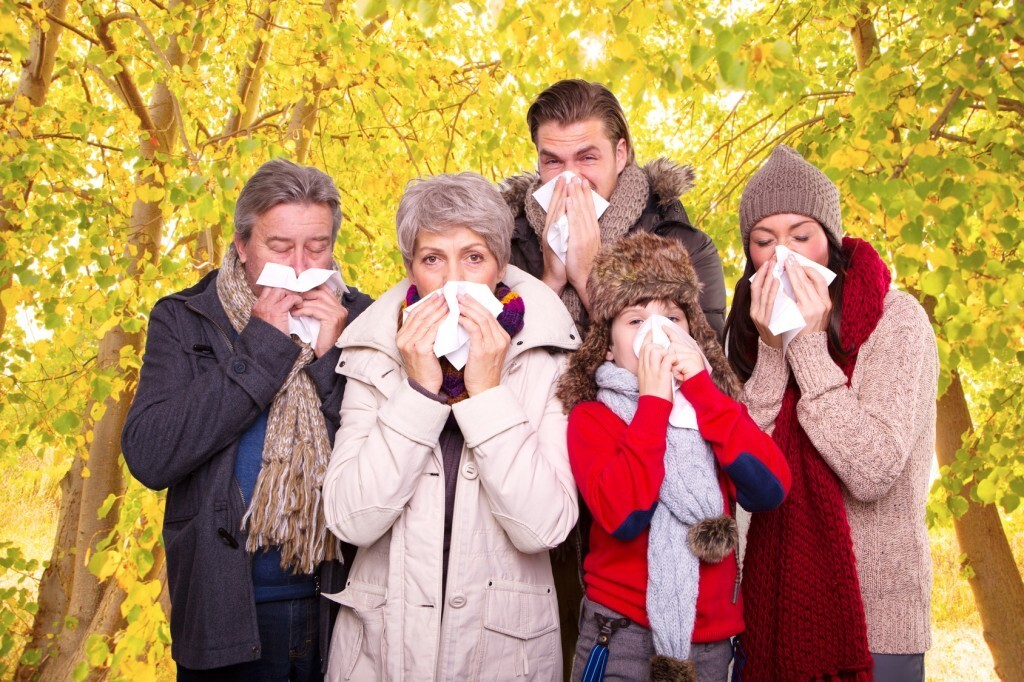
x=454 y=484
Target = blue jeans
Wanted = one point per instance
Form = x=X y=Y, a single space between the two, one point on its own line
x=289 y=638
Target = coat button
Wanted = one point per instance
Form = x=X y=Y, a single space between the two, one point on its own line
x=239 y=366
x=457 y=601
x=469 y=470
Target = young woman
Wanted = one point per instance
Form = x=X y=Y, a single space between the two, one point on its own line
x=836 y=580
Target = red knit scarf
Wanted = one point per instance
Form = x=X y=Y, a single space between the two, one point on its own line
x=803 y=608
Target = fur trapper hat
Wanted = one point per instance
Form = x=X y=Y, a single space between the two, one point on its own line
x=639 y=268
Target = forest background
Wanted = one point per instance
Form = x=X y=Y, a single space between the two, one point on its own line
x=129 y=126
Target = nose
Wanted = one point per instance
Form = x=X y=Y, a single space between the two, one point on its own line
x=455 y=272
x=300 y=261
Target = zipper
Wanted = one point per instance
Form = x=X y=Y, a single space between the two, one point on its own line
x=223 y=334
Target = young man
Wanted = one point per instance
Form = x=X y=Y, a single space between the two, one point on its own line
x=236 y=418
x=580 y=127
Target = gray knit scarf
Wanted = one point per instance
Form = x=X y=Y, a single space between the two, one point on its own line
x=689 y=494
x=287 y=505
x=627 y=202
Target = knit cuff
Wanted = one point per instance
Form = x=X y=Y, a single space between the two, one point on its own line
x=700 y=391
x=487 y=414
x=770 y=368
x=815 y=370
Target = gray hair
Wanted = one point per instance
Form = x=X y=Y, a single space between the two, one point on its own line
x=441 y=202
x=279 y=181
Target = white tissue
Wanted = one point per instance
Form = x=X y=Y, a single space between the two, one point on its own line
x=683 y=415
x=786 y=318
x=558 y=234
x=283 y=277
x=452 y=340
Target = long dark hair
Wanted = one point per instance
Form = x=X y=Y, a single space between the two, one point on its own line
x=741 y=334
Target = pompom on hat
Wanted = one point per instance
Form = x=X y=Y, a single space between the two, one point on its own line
x=786 y=183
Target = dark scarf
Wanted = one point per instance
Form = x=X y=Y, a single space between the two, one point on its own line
x=804 y=613
x=453 y=385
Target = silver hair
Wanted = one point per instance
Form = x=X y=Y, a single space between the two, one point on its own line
x=279 y=181
x=441 y=202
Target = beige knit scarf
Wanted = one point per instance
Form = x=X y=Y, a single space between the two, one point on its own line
x=627 y=202
x=287 y=503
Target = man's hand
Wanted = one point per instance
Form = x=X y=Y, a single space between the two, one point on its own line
x=273 y=305
x=416 y=343
x=323 y=306
x=584 y=236
x=488 y=344
x=554 y=270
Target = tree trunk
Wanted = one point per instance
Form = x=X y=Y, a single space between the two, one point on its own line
x=865 y=38
x=996 y=584
x=303 y=120
x=68 y=588
x=34 y=83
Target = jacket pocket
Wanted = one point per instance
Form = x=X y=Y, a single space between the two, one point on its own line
x=520 y=633
x=358 y=648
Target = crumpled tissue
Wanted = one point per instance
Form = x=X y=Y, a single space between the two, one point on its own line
x=283 y=277
x=558 y=234
x=683 y=415
x=786 y=318
x=452 y=340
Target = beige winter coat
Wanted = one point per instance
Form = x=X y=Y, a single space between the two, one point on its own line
x=514 y=501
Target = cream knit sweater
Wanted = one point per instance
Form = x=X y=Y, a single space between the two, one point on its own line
x=878 y=435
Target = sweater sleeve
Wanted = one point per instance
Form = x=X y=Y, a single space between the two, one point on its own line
x=756 y=468
x=762 y=394
x=866 y=435
x=619 y=468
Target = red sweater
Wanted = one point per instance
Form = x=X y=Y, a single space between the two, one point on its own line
x=619 y=469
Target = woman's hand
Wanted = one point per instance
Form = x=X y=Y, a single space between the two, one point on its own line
x=654 y=371
x=488 y=345
x=686 y=361
x=812 y=297
x=763 y=290
x=416 y=342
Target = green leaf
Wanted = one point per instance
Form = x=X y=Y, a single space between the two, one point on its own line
x=67 y=423
x=986 y=490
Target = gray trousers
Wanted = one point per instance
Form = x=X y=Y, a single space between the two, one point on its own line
x=631 y=648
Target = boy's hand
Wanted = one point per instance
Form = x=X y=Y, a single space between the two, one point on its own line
x=654 y=372
x=685 y=359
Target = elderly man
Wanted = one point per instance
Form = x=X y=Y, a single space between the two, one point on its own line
x=236 y=418
x=580 y=127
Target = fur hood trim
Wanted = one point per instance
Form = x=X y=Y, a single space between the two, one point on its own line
x=668 y=181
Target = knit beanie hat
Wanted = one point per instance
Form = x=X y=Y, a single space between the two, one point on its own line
x=786 y=183
x=640 y=267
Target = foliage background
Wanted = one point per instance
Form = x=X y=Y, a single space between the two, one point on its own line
x=128 y=127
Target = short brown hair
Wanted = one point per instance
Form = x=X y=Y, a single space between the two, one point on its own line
x=575 y=100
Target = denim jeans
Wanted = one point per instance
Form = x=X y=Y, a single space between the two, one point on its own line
x=289 y=639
